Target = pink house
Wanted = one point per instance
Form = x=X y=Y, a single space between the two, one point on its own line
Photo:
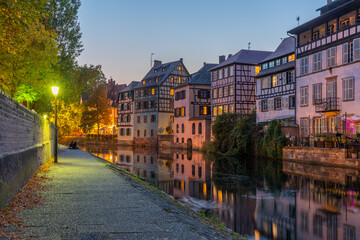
x=193 y=110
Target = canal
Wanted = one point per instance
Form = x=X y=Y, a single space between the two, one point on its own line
x=262 y=199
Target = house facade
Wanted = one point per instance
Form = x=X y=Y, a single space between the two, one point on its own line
x=192 y=107
x=154 y=102
x=275 y=87
x=328 y=69
x=126 y=114
x=233 y=83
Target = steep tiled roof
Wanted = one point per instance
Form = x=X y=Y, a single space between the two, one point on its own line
x=157 y=72
x=201 y=77
x=280 y=68
x=245 y=57
x=286 y=47
x=130 y=87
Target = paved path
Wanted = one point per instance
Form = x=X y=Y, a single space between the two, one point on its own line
x=88 y=200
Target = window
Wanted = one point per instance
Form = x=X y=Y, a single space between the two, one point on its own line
x=231 y=90
x=331 y=29
x=145 y=104
x=182 y=141
x=180 y=95
x=226 y=72
x=145 y=119
x=265 y=83
x=128 y=118
x=171 y=119
x=319 y=125
x=182 y=168
x=182 y=128
x=171 y=92
x=317 y=93
x=215 y=111
x=304 y=65
x=221 y=92
x=153 y=91
x=214 y=75
x=231 y=108
x=177 y=128
x=200 y=128
x=138 y=133
x=291 y=58
x=331 y=122
x=182 y=111
x=278 y=62
x=304 y=222
x=220 y=74
x=156 y=79
x=348 y=52
x=317 y=62
x=172 y=79
x=290 y=77
x=143 y=82
x=215 y=91
x=265 y=66
x=315 y=35
x=193 y=128
x=271 y=64
x=179 y=67
x=264 y=106
x=138 y=119
x=122 y=132
x=152 y=104
x=317 y=226
x=304 y=96
x=226 y=91
x=204 y=110
x=152 y=132
x=153 y=118
x=356 y=50
x=284 y=60
x=179 y=79
x=144 y=133
x=274 y=81
x=331 y=57
x=348 y=88
x=220 y=110
x=292 y=102
x=231 y=73
x=193 y=170
x=349 y=232
x=128 y=131
x=277 y=103
x=257 y=70
x=204 y=94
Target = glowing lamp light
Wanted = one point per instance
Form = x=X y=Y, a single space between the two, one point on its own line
x=45 y=116
x=55 y=90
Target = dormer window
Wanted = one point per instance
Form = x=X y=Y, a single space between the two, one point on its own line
x=155 y=71
x=292 y=57
x=143 y=82
x=163 y=69
x=271 y=64
x=284 y=60
x=278 y=62
x=265 y=66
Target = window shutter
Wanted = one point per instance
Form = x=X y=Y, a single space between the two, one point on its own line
x=271 y=104
x=286 y=100
x=282 y=103
x=345 y=53
x=338 y=124
x=356 y=49
x=269 y=82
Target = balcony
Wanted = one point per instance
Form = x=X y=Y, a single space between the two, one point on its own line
x=330 y=104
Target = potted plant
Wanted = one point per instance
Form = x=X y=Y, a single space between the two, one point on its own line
x=329 y=142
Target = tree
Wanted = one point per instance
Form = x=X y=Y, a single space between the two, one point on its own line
x=97 y=109
x=27 y=49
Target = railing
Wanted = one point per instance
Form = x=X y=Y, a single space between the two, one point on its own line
x=328 y=105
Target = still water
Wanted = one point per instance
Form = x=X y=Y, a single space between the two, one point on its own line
x=259 y=198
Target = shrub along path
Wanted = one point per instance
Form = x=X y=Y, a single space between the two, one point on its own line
x=87 y=200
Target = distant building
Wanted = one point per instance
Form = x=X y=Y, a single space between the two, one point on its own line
x=154 y=102
x=328 y=68
x=275 y=87
x=126 y=114
x=113 y=90
x=193 y=110
x=233 y=82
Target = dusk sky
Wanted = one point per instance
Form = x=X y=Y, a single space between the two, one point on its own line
x=120 y=35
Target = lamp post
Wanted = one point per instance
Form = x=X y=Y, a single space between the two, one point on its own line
x=55 y=91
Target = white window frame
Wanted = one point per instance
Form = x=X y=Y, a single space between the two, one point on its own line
x=348 y=85
x=304 y=65
x=356 y=49
x=331 y=57
x=317 y=93
x=317 y=61
x=304 y=96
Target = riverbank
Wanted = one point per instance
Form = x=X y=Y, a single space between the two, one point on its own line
x=90 y=198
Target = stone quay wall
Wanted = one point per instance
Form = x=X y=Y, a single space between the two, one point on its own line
x=322 y=156
x=26 y=141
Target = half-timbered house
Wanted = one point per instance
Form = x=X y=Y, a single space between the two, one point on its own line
x=233 y=82
x=275 y=87
x=328 y=68
x=126 y=114
x=154 y=102
x=193 y=110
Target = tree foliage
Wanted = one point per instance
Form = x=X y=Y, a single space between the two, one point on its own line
x=273 y=141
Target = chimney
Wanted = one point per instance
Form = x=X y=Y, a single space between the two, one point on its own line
x=329 y=2
x=204 y=63
x=229 y=56
x=181 y=60
x=157 y=63
x=221 y=58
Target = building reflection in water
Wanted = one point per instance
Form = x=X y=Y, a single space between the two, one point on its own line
x=263 y=199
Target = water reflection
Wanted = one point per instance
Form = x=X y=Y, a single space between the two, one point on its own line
x=259 y=198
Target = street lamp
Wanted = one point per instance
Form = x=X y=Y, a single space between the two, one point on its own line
x=55 y=91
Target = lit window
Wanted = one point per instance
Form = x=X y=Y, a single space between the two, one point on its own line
x=143 y=82
x=179 y=79
x=220 y=110
x=172 y=92
x=231 y=108
x=225 y=108
x=274 y=80
x=291 y=57
x=257 y=70
x=215 y=111
x=153 y=91
x=156 y=79
x=231 y=90
x=172 y=79
x=183 y=111
x=179 y=67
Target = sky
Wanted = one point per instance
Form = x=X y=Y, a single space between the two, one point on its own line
x=120 y=35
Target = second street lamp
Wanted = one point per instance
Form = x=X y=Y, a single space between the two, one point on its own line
x=55 y=91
